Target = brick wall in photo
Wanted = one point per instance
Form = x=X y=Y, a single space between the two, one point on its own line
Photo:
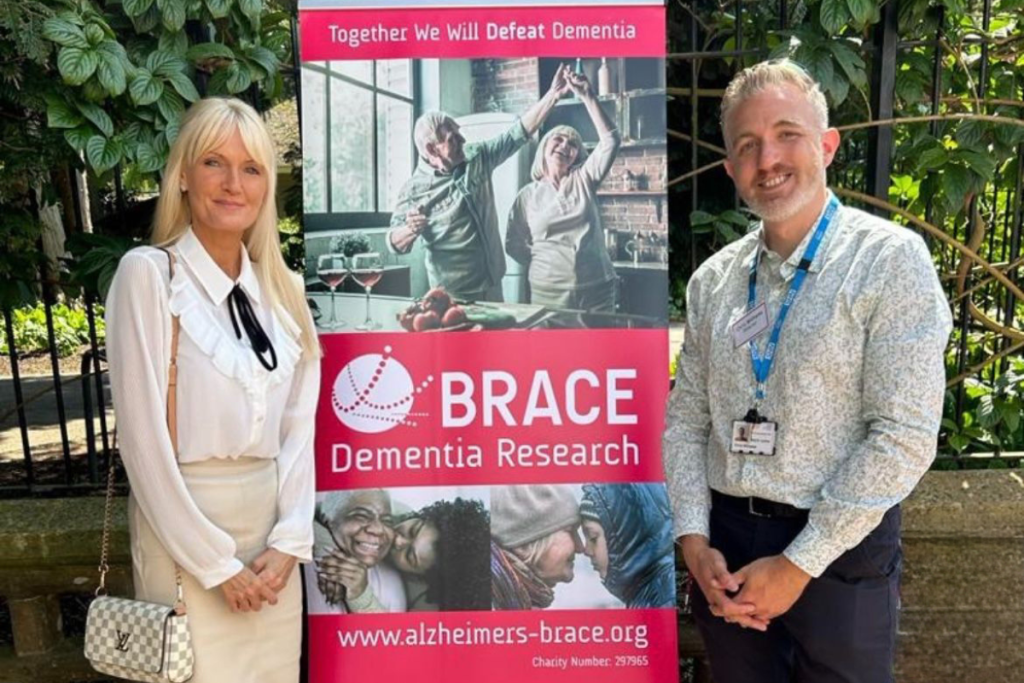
x=636 y=211
x=505 y=85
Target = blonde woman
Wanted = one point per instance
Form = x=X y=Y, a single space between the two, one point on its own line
x=228 y=496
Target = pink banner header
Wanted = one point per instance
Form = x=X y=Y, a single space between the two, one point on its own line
x=458 y=33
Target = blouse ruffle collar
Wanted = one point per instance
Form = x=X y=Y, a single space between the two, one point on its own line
x=231 y=358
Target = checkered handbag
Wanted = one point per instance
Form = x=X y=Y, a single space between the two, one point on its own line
x=132 y=639
x=140 y=641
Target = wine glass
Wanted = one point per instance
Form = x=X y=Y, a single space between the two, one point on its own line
x=330 y=268
x=368 y=269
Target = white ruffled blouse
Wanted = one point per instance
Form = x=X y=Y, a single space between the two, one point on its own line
x=228 y=404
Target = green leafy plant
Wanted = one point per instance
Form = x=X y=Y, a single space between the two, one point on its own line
x=350 y=245
x=130 y=70
x=70 y=327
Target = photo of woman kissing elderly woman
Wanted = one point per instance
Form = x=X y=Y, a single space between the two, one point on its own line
x=403 y=551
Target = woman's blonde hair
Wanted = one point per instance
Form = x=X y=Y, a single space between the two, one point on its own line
x=207 y=125
x=540 y=166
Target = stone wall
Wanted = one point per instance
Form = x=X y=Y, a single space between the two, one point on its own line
x=963 y=580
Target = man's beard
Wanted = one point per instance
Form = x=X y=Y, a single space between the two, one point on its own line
x=775 y=211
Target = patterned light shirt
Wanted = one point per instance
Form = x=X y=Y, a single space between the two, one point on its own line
x=856 y=387
x=465 y=253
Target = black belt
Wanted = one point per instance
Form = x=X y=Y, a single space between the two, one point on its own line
x=757 y=507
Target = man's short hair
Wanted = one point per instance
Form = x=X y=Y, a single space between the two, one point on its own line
x=427 y=130
x=758 y=78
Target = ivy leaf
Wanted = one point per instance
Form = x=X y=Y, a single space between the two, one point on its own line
x=737 y=218
x=184 y=86
x=979 y=162
x=840 y=88
x=92 y=91
x=148 y=21
x=862 y=11
x=170 y=105
x=76 y=65
x=251 y=9
x=956 y=183
x=958 y=442
x=147 y=158
x=98 y=117
x=819 y=62
x=136 y=8
x=110 y=73
x=171 y=131
x=219 y=8
x=970 y=133
x=699 y=217
x=174 y=43
x=850 y=62
x=206 y=51
x=114 y=49
x=59 y=114
x=94 y=34
x=726 y=231
x=265 y=59
x=172 y=14
x=1011 y=416
x=834 y=16
x=102 y=153
x=162 y=63
x=238 y=78
x=218 y=83
x=78 y=137
x=64 y=33
x=987 y=415
x=144 y=88
x=932 y=158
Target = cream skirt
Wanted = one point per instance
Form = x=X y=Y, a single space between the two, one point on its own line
x=240 y=497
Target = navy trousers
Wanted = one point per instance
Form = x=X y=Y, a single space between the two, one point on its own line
x=841 y=630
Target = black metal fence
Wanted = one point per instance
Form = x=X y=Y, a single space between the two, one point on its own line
x=710 y=41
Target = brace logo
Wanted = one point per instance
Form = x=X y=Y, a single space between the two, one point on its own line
x=374 y=393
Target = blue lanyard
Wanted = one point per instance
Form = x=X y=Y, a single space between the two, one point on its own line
x=763 y=365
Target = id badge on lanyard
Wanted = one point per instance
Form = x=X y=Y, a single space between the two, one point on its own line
x=754 y=434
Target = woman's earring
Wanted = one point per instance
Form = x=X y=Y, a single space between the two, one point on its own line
x=184 y=189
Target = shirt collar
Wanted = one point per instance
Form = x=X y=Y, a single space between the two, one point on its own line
x=214 y=280
x=788 y=267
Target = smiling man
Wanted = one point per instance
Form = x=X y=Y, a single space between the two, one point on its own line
x=806 y=406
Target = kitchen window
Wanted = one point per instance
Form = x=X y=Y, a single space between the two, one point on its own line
x=358 y=150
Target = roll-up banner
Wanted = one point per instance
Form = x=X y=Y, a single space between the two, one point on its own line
x=486 y=253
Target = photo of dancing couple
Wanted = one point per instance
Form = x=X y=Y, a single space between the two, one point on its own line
x=534 y=198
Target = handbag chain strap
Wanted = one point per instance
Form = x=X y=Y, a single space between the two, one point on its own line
x=172 y=428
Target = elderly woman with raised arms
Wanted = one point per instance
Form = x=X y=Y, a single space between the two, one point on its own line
x=554 y=226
